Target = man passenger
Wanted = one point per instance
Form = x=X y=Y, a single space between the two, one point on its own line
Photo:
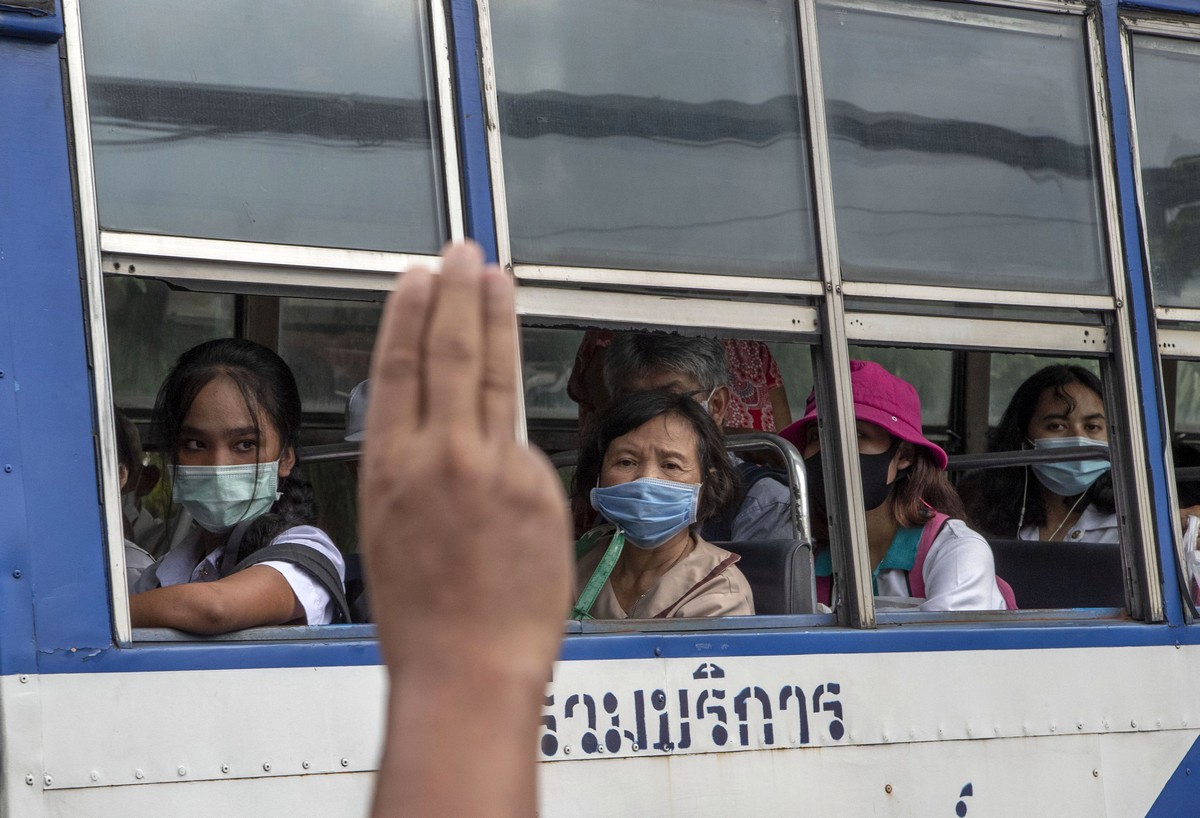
x=696 y=367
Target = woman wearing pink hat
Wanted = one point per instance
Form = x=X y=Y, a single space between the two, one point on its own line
x=922 y=553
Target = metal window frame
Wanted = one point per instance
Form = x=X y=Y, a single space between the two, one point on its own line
x=544 y=273
x=1143 y=582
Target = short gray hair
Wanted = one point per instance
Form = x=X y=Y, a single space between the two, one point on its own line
x=636 y=354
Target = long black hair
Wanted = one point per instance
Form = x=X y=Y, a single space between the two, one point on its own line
x=269 y=390
x=627 y=413
x=995 y=497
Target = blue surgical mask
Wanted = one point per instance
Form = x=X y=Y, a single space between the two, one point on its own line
x=220 y=497
x=650 y=511
x=1071 y=477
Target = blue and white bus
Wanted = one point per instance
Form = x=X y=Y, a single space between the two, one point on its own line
x=963 y=191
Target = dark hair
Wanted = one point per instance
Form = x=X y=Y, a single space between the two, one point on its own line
x=269 y=390
x=129 y=444
x=1186 y=456
x=923 y=490
x=637 y=354
x=995 y=496
x=721 y=480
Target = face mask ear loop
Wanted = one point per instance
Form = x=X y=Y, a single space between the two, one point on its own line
x=1024 y=497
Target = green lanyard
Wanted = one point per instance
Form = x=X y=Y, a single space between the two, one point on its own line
x=600 y=576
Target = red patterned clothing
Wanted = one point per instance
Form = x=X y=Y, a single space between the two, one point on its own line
x=753 y=374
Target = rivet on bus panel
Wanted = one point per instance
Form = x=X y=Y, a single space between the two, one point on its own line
x=224 y=768
x=305 y=764
x=7 y=468
x=29 y=779
x=345 y=762
x=139 y=775
x=49 y=780
x=267 y=767
x=887 y=788
x=24 y=679
x=1095 y=773
x=95 y=776
x=16 y=573
x=1079 y=725
x=182 y=770
x=1133 y=724
x=567 y=750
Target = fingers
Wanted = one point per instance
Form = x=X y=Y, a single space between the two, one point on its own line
x=397 y=370
x=454 y=347
x=500 y=356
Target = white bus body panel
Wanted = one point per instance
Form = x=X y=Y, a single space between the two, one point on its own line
x=1069 y=732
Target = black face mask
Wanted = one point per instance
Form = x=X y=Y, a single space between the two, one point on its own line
x=874 y=471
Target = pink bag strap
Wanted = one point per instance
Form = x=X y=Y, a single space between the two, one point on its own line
x=916 y=575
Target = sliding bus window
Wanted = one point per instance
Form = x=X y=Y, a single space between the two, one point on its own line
x=684 y=153
x=961 y=146
x=149 y=325
x=1166 y=87
x=267 y=123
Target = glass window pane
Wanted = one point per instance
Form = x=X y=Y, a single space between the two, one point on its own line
x=328 y=346
x=266 y=122
x=1187 y=398
x=1166 y=88
x=660 y=136
x=961 y=147
x=149 y=326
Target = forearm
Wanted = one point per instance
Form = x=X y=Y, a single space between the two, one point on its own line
x=193 y=607
x=461 y=740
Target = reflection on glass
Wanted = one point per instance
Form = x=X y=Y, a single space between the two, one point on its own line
x=1166 y=89
x=149 y=326
x=1187 y=398
x=328 y=346
x=660 y=136
x=961 y=147
x=267 y=121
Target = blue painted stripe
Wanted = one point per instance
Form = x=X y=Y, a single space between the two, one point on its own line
x=1141 y=311
x=472 y=127
x=33 y=25
x=1180 y=797
x=796 y=643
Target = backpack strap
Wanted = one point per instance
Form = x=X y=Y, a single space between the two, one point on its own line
x=711 y=575
x=587 y=597
x=916 y=575
x=720 y=528
x=312 y=561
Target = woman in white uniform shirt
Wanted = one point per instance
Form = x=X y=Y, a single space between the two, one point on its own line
x=1058 y=406
x=229 y=415
x=922 y=553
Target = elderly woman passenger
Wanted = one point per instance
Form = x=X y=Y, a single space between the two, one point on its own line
x=654 y=466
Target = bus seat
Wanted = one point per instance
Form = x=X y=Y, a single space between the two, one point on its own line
x=356 y=588
x=780 y=573
x=1062 y=574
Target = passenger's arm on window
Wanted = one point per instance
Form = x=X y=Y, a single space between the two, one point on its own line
x=257 y=596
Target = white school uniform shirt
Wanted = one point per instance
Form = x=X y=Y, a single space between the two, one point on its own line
x=1093 y=525
x=959 y=574
x=136 y=562
x=185 y=563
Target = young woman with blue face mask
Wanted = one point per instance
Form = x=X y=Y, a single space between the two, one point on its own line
x=654 y=466
x=228 y=415
x=1060 y=406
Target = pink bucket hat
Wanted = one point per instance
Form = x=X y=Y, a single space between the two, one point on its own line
x=880 y=398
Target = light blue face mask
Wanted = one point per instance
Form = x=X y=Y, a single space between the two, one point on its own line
x=650 y=511
x=220 y=497
x=1072 y=477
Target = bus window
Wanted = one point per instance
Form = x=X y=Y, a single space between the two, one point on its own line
x=954 y=158
x=267 y=124
x=1166 y=98
x=687 y=155
x=150 y=324
x=328 y=345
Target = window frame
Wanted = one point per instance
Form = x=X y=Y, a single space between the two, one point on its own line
x=223 y=266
